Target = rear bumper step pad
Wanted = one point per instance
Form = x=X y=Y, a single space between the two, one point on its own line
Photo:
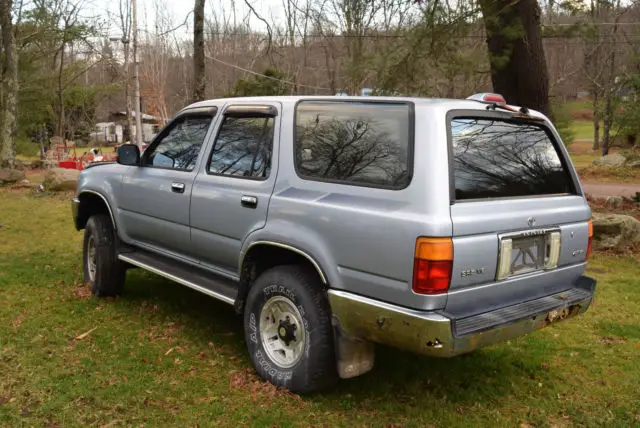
x=486 y=321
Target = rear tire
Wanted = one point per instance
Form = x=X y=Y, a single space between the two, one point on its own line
x=103 y=272
x=287 y=324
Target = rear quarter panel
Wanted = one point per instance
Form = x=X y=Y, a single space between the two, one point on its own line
x=364 y=238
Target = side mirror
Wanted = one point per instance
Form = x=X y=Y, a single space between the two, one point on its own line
x=129 y=154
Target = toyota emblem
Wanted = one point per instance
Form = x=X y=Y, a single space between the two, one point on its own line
x=531 y=221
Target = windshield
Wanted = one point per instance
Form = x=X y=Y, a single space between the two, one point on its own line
x=495 y=158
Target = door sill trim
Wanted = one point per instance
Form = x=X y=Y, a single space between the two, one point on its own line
x=175 y=278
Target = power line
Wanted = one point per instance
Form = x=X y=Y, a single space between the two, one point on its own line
x=265 y=76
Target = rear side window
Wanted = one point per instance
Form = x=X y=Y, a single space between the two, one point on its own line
x=366 y=144
x=497 y=159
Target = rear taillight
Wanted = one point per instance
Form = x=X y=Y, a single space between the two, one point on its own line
x=432 y=265
x=590 y=240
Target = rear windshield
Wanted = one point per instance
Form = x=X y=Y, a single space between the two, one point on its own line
x=495 y=158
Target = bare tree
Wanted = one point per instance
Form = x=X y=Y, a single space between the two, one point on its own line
x=125 y=26
x=602 y=67
x=136 y=73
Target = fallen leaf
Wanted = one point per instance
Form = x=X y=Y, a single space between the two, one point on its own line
x=609 y=340
x=169 y=351
x=85 y=334
x=110 y=424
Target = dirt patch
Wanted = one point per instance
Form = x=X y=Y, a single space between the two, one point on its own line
x=582 y=114
x=626 y=206
x=622 y=175
x=608 y=340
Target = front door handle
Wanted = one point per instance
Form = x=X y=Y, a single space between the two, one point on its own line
x=249 y=201
x=177 y=187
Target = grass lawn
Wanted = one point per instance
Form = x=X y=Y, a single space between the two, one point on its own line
x=582 y=130
x=163 y=354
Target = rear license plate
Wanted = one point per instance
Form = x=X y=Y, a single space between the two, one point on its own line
x=527 y=252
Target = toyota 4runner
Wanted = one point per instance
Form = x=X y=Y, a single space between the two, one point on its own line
x=332 y=223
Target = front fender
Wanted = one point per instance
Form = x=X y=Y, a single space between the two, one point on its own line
x=104 y=182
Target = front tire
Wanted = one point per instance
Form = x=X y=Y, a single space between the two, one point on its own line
x=103 y=272
x=287 y=324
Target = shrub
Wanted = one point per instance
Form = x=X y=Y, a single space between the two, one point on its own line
x=562 y=119
x=27 y=148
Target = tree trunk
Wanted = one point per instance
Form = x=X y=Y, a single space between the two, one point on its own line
x=136 y=74
x=596 y=120
x=608 y=122
x=60 y=96
x=610 y=92
x=514 y=39
x=199 y=77
x=127 y=96
x=9 y=88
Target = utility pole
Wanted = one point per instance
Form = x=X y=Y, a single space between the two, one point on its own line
x=136 y=72
x=127 y=81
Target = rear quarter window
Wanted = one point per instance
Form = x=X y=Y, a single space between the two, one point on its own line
x=357 y=143
x=496 y=158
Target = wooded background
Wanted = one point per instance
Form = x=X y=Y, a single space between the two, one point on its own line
x=70 y=69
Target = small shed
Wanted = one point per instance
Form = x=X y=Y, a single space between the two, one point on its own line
x=150 y=126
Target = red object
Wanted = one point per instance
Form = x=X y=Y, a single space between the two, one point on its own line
x=431 y=277
x=70 y=164
x=590 y=240
x=494 y=98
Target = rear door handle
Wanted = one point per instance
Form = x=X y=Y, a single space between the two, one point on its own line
x=249 y=201
x=177 y=187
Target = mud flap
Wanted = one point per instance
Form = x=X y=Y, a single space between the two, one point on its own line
x=354 y=357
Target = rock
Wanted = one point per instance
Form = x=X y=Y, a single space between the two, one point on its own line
x=614 y=201
x=615 y=159
x=10 y=176
x=61 y=179
x=20 y=164
x=614 y=231
x=24 y=184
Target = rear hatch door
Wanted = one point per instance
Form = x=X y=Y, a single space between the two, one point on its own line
x=520 y=222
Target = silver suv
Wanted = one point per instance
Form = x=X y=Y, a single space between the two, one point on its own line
x=332 y=223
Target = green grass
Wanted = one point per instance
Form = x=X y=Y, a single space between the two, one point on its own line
x=165 y=355
x=573 y=106
x=582 y=130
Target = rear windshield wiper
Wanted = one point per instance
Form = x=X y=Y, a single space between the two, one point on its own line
x=523 y=112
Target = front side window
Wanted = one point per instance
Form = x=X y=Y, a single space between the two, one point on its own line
x=243 y=147
x=494 y=158
x=180 y=145
x=366 y=144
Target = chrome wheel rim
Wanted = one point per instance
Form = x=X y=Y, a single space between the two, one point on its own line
x=282 y=331
x=91 y=259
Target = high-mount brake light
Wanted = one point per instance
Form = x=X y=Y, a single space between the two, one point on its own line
x=489 y=98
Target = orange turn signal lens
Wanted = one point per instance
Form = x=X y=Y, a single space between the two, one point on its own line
x=434 y=249
x=432 y=265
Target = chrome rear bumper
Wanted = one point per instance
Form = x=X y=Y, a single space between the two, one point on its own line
x=436 y=334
